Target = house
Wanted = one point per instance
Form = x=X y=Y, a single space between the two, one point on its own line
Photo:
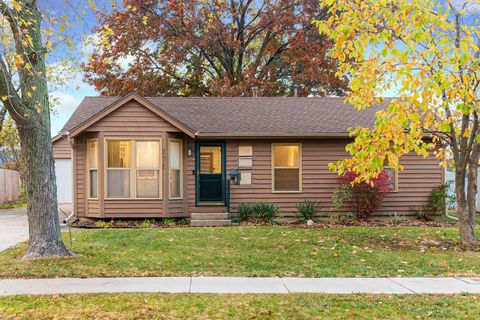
x=136 y=157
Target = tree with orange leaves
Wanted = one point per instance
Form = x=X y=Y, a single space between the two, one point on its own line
x=205 y=48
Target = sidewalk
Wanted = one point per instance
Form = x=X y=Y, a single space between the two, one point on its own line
x=241 y=285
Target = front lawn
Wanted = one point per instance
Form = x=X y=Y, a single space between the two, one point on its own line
x=247 y=306
x=255 y=251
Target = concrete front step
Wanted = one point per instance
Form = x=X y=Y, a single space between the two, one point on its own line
x=210 y=223
x=209 y=216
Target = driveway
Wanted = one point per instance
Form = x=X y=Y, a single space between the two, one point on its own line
x=13 y=227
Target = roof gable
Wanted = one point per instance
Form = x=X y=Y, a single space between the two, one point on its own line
x=79 y=126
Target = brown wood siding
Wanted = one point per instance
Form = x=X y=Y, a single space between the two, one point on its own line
x=133 y=208
x=415 y=183
x=93 y=207
x=79 y=177
x=62 y=149
x=132 y=120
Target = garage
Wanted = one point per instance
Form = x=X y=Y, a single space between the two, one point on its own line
x=63 y=168
x=63 y=172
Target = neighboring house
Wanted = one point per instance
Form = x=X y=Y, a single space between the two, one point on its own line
x=62 y=153
x=176 y=156
x=450 y=178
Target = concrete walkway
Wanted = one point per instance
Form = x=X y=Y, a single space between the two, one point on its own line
x=13 y=227
x=241 y=285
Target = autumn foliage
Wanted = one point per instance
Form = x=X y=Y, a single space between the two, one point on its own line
x=363 y=198
x=205 y=48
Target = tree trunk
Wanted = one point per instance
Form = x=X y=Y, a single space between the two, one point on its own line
x=466 y=198
x=44 y=226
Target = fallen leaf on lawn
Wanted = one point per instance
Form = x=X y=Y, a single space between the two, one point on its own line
x=336 y=254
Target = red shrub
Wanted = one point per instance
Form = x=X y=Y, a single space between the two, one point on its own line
x=364 y=198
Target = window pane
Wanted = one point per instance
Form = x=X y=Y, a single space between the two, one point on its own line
x=211 y=159
x=118 y=183
x=287 y=180
x=175 y=154
x=148 y=154
x=245 y=150
x=147 y=184
x=93 y=183
x=245 y=162
x=175 y=183
x=393 y=178
x=287 y=156
x=118 y=154
x=92 y=154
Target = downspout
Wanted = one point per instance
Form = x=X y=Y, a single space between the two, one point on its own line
x=449 y=216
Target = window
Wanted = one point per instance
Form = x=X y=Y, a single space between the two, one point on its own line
x=148 y=169
x=393 y=174
x=133 y=160
x=175 y=165
x=118 y=169
x=245 y=156
x=211 y=159
x=286 y=167
x=92 y=162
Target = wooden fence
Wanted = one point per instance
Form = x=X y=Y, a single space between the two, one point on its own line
x=9 y=185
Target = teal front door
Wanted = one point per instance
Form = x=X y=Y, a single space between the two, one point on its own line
x=210 y=173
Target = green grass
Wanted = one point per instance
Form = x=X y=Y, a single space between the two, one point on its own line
x=13 y=205
x=254 y=251
x=209 y=306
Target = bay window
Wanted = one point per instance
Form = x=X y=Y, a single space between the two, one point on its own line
x=133 y=160
x=92 y=163
x=286 y=167
x=175 y=166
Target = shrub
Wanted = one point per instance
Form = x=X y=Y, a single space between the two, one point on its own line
x=182 y=222
x=169 y=221
x=103 y=224
x=361 y=197
x=147 y=223
x=245 y=211
x=266 y=212
x=436 y=203
x=309 y=209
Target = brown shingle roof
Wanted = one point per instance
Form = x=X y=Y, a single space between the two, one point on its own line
x=247 y=115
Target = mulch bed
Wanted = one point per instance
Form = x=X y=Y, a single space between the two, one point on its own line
x=182 y=223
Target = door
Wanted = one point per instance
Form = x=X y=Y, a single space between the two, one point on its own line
x=63 y=172
x=210 y=173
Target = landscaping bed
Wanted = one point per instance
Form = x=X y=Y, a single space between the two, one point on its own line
x=254 y=251
x=245 y=306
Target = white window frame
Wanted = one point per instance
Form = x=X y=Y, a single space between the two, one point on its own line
x=133 y=167
x=180 y=141
x=250 y=156
x=89 y=169
x=299 y=167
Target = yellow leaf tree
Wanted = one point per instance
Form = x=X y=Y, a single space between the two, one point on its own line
x=428 y=51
